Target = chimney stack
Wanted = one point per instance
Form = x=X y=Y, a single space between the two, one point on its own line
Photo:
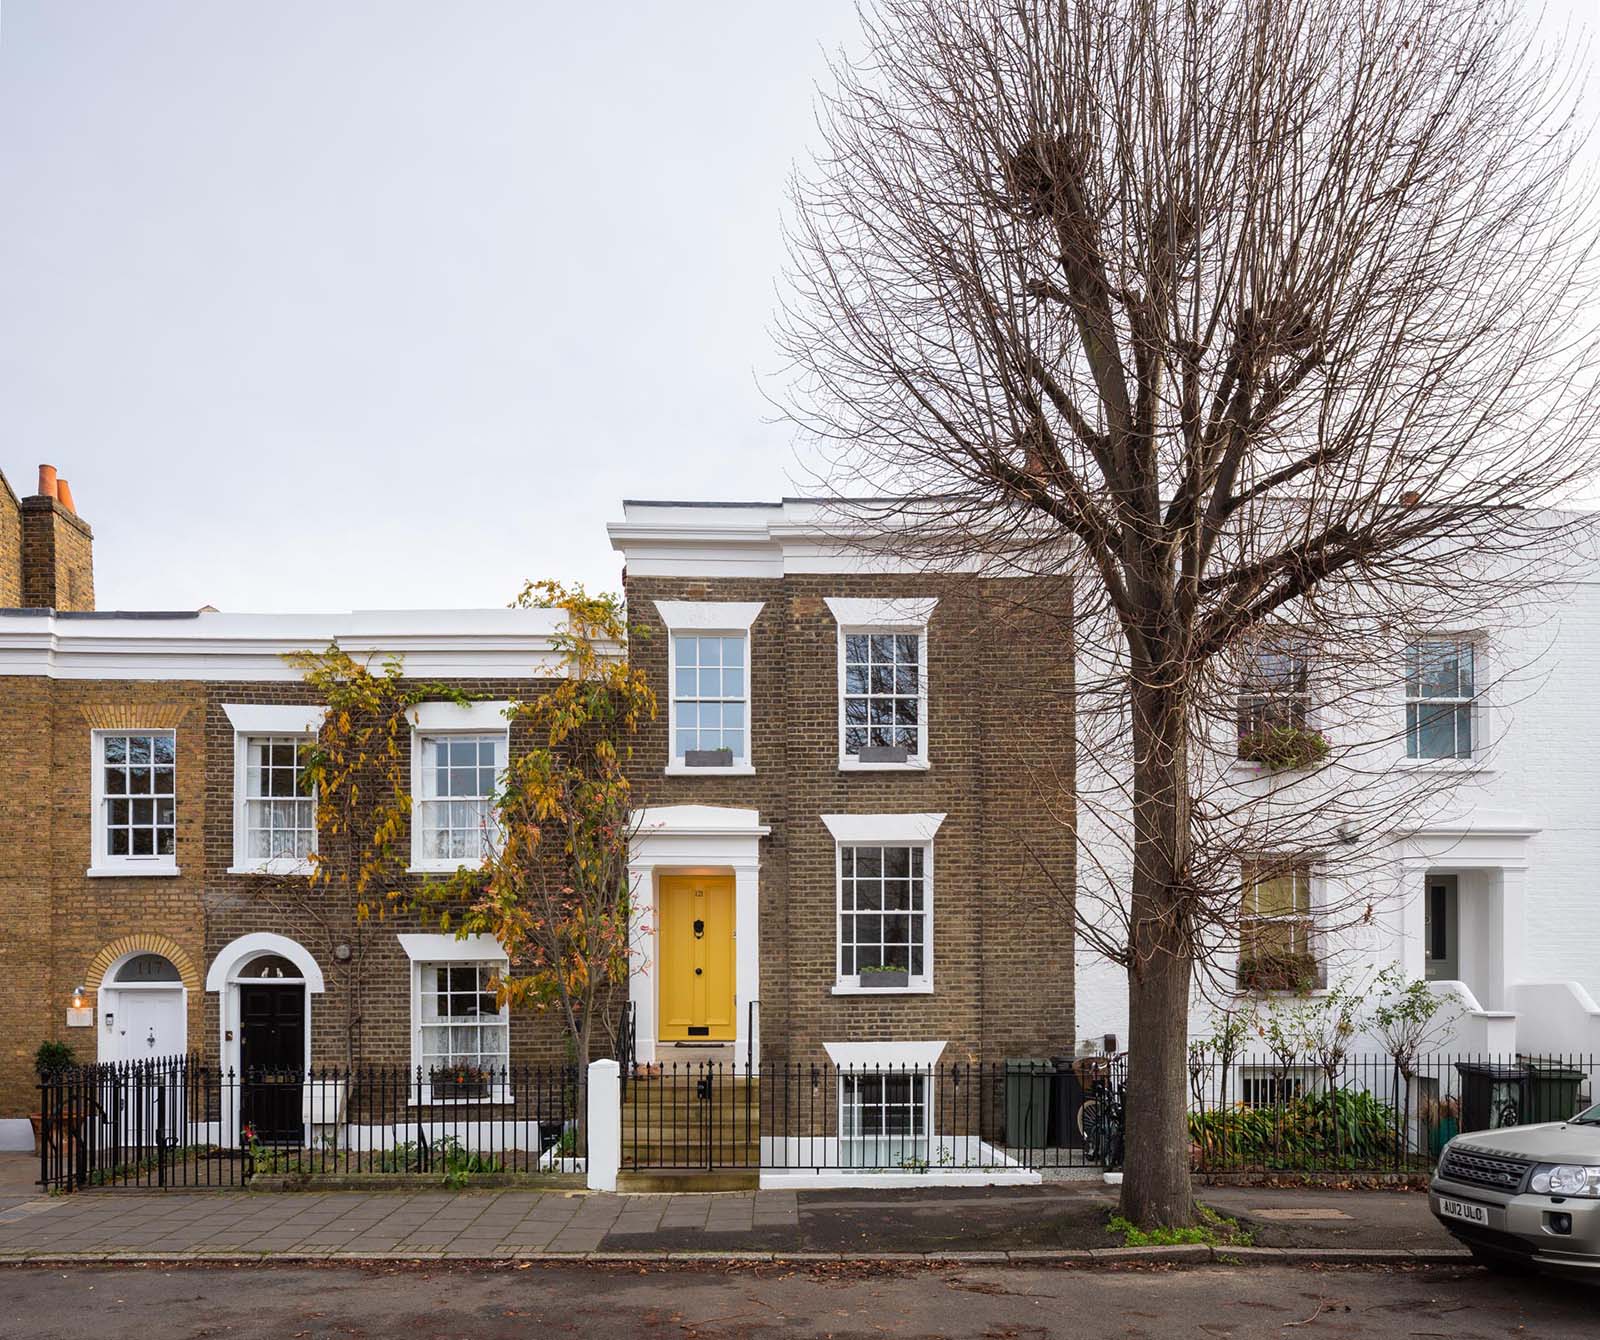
x=57 y=548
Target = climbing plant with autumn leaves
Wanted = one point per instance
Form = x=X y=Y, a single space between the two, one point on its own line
x=553 y=890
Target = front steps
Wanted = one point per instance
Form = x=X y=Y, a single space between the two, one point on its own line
x=696 y=1128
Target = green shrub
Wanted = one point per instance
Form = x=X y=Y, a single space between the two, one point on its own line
x=1340 y=1130
x=52 y=1058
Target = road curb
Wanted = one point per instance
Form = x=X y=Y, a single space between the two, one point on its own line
x=1194 y=1254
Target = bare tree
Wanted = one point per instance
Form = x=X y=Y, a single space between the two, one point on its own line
x=1262 y=325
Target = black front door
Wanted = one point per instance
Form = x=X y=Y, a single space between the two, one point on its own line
x=272 y=1057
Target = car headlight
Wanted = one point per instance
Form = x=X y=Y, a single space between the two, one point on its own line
x=1565 y=1179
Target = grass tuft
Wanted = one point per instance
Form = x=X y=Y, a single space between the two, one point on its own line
x=1213 y=1230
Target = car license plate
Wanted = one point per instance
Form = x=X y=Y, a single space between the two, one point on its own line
x=1465 y=1210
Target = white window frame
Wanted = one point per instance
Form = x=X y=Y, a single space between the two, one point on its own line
x=252 y=721
x=1281 y=1086
x=902 y=617
x=431 y=721
x=1478 y=712
x=102 y=864
x=886 y=830
x=1308 y=923
x=1260 y=692
x=709 y=618
x=869 y=1059
x=444 y=950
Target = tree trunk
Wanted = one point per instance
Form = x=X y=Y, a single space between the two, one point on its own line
x=1155 y=1185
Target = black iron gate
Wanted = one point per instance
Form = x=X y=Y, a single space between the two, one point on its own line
x=697 y=1116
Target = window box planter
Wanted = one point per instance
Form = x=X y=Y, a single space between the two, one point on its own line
x=708 y=758
x=882 y=753
x=882 y=979
x=1278 y=972
x=1279 y=748
x=454 y=1082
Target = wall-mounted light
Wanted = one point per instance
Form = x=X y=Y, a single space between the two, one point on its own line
x=80 y=997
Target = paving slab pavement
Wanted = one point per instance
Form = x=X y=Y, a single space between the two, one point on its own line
x=480 y=1225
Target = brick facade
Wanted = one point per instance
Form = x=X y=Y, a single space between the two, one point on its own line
x=10 y=547
x=1002 y=937
x=364 y=1013
x=58 y=917
x=1003 y=869
x=65 y=928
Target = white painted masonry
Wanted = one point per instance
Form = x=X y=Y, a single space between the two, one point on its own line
x=1520 y=833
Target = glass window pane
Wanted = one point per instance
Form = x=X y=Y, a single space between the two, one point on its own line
x=1436 y=732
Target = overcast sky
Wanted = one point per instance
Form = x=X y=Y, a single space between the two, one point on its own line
x=322 y=304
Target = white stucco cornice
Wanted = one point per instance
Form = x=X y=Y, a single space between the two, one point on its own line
x=439 y=644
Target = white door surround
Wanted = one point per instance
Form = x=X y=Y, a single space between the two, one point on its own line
x=227 y=970
x=696 y=839
x=1490 y=865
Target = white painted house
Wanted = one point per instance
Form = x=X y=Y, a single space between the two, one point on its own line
x=1493 y=894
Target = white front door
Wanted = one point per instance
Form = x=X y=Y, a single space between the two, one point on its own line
x=144 y=1023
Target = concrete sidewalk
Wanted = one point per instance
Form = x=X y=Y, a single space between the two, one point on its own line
x=1014 y=1222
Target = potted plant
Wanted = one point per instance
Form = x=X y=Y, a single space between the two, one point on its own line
x=1282 y=747
x=883 y=976
x=1277 y=970
x=1441 y=1118
x=458 y=1081
x=50 y=1060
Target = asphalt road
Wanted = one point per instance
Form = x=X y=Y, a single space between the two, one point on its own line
x=441 y=1303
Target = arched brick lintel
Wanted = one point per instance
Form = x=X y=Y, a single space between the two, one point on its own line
x=146 y=942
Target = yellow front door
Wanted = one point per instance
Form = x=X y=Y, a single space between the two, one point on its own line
x=694 y=937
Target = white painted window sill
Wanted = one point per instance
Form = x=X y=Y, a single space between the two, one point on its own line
x=1443 y=764
x=683 y=770
x=439 y=869
x=278 y=871
x=851 y=989
x=910 y=765
x=131 y=871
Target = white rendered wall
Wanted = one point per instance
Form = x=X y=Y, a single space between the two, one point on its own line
x=1521 y=832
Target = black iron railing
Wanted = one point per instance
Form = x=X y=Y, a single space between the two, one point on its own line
x=177 y=1122
x=804 y=1116
x=1298 y=1113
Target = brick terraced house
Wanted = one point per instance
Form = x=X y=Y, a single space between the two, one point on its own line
x=827 y=866
x=154 y=830
x=835 y=858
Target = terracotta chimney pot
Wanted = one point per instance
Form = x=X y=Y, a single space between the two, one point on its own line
x=64 y=495
x=47 y=481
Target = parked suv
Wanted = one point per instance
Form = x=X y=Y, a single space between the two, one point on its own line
x=1524 y=1196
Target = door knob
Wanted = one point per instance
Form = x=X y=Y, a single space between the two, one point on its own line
x=698 y=971
x=151 y=1040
